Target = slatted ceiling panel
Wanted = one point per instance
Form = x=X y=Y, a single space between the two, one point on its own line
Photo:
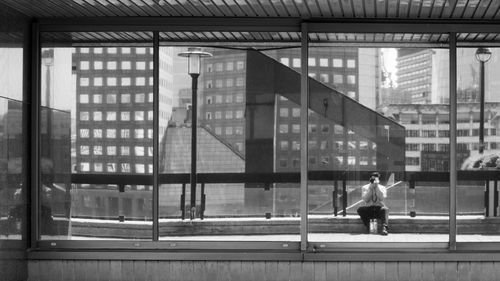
x=222 y=7
x=379 y=37
x=151 y=6
x=325 y=9
x=425 y=11
x=314 y=9
x=460 y=9
x=481 y=9
x=214 y=10
x=358 y=9
x=370 y=37
x=193 y=6
x=470 y=10
x=490 y=37
x=360 y=37
x=415 y=9
x=437 y=8
x=234 y=8
x=245 y=8
x=72 y=9
x=386 y=8
x=369 y=8
x=389 y=37
x=322 y=36
x=492 y=10
x=403 y=8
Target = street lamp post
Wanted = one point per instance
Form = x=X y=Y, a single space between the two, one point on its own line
x=48 y=61
x=194 y=56
x=483 y=55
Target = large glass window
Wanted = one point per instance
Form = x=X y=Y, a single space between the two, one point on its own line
x=240 y=185
x=478 y=155
x=370 y=135
x=79 y=200
x=13 y=134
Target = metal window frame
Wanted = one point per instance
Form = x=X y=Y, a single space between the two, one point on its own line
x=298 y=250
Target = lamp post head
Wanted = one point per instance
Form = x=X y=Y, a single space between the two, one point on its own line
x=483 y=54
x=194 y=55
x=48 y=57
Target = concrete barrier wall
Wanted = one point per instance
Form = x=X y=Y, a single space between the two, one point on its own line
x=68 y=270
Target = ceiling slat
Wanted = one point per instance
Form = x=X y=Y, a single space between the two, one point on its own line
x=181 y=8
x=257 y=8
x=370 y=8
x=426 y=8
x=146 y=8
x=99 y=9
x=131 y=4
x=471 y=9
x=492 y=10
x=391 y=9
x=56 y=9
x=415 y=9
x=221 y=5
x=359 y=8
x=497 y=13
x=196 y=3
x=449 y=9
x=235 y=8
x=156 y=5
x=336 y=9
x=490 y=36
x=70 y=9
x=266 y=6
x=16 y=5
x=210 y=6
x=404 y=8
x=313 y=9
x=243 y=5
x=437 y=9
x=460 y=9
x=325 y=8
x=302 y=8
x=111 y=8
x=34 y=10
x=346 y=5
x=291 y=8
x=482 y=8
x=120 y=6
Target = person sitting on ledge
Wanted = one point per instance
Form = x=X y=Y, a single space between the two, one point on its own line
x=373 y=194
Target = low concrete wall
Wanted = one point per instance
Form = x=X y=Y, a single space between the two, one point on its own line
x=64 y=270
x=257 y=226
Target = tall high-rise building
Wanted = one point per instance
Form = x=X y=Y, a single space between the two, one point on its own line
x=114 y=123
x=354 y=72
x=114 y=108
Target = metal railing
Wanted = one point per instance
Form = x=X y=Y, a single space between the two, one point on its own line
x=339 y=182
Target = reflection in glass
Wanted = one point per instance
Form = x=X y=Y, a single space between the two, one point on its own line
x=94 y=169
x=238 y=145
x=12 y=170
x=378 y=110
x=477 y=139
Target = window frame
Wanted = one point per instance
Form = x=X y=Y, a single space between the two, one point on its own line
x=309 y=252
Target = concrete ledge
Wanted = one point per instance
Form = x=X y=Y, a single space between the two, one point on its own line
x=258 y=226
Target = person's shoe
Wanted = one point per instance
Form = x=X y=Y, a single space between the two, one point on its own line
x=384 y=230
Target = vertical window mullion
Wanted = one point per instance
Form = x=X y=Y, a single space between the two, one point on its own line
x=156 y=110
x=33 y=206
x=304 y=108
x=453 y=142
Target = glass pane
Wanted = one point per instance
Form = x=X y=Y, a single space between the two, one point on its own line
x=242 y=183
x=96 y=131
x=378 y=110
x=478 y=145
x=13 y=130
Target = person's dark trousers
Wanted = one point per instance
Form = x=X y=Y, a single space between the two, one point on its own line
x=374 y=212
